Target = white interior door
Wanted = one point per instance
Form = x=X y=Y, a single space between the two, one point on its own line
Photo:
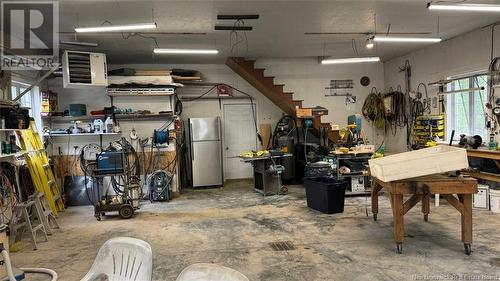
x=239 y=136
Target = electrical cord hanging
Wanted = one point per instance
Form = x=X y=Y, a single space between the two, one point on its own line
x=9 y=198
x=399 y=117
x=373 y=108
x=426 y=103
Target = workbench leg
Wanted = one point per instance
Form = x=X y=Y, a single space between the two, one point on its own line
x=426 y=206
x=466 y=200
x=398 y=214
x=375 y=190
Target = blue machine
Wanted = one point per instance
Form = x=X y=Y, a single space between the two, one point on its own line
x=110 y=163
x=355 y=119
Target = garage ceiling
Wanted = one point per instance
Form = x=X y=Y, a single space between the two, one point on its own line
x=278 y=33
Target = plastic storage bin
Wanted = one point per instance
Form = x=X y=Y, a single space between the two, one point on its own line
x=481 y=200
x=422 y=162
x=495 y=200
x=325 y=194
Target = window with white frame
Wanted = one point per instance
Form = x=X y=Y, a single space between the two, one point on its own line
x=466 y=110
x=16 y=89
x=31 y=100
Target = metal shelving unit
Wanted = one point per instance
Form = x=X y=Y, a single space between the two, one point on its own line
x=119 y=116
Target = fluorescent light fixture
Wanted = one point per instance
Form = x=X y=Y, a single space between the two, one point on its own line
x=185 y=51
x=391 y=39
x=350 y=60
x=111 y=28
x=464 y=7
x=77 y=43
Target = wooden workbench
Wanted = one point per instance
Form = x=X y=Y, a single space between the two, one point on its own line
x=420 y=189
x=483 y=153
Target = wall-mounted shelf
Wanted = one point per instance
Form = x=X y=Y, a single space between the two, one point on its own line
x=81 y=135
x=17 y=154
x=138 y=95
x=10 y=130
x=123 y=117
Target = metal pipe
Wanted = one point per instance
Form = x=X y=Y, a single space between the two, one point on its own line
x=47 y=74
x=469 y=90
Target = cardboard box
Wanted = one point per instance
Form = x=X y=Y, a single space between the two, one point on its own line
x=304 y=112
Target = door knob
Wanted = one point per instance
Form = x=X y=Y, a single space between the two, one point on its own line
x=227 y=148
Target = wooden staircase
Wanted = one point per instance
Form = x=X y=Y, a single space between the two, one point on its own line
x=275 y=92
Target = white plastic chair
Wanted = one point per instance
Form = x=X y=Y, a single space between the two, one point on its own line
x=122 y=259
x=210 y=272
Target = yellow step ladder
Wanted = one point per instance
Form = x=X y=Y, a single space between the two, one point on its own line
x=39 y=167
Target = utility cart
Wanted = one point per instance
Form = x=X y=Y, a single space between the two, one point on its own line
x=125 y=201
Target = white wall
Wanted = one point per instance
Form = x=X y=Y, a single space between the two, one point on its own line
x=307 y=79
x=467 y=53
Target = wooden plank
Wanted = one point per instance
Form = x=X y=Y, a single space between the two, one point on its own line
x=424 y=185
x=483 y=175
x=186 y=78
x=483 y=153
x=265 y=131
x=410 y=203
x=454 y=202
x=69 y=165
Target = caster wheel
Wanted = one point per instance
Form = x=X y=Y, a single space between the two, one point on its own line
x=103 y=214
x=284 y=190
x=467 y=248
x=375 y=217
x=126 y=211
x=98 y=218
x=426 y=217
x=399 y=248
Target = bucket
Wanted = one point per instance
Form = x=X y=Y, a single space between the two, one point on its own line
x=325 y=194
x=495 y=200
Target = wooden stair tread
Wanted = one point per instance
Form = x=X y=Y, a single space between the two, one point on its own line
x=274 y=92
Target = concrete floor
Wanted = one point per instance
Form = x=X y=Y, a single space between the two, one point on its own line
x=233 y=227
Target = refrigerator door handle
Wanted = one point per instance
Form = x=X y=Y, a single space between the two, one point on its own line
x=191 y=141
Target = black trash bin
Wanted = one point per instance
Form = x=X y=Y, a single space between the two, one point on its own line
x=325 y=194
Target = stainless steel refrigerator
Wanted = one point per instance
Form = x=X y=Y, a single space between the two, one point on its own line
x=206 y=153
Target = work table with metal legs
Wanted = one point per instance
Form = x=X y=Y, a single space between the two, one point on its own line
x=421 y=189
x=267 y=174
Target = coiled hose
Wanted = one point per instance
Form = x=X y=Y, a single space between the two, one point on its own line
x=10 y=273
x=374 y=110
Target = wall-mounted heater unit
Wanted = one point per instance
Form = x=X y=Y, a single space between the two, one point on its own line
x=82 y=69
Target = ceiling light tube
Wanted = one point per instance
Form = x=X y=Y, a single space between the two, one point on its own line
x=391 y=39
x=112 y=28
x=185 y=51
x=464 y=7
x=350 y=60
x=77 y=43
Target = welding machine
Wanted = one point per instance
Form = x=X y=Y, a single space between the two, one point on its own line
x=109 y=163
